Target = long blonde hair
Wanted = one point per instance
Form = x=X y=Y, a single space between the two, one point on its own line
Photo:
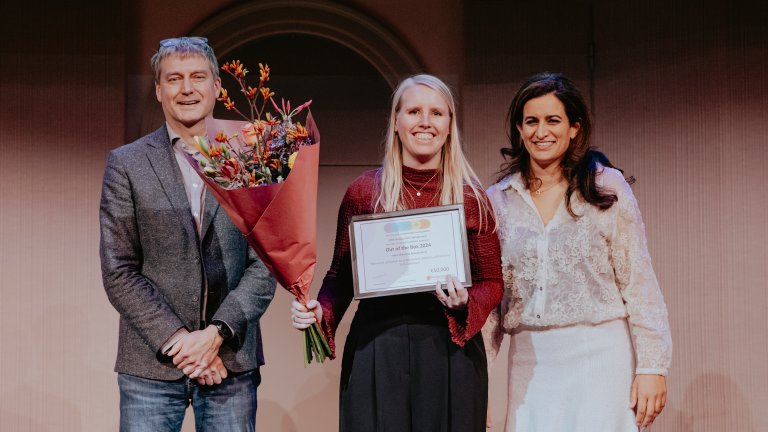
x=454 y=169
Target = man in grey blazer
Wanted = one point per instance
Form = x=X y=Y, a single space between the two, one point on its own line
x=189 y=290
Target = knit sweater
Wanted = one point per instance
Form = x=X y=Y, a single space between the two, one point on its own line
x=486 y=291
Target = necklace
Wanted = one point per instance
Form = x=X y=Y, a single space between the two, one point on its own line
x=418 y=191
x=542 y=190
x=413 y=200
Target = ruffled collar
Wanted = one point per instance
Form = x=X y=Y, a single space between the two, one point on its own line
x=514 y=181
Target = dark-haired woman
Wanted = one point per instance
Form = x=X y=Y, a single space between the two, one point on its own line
x=590 y=341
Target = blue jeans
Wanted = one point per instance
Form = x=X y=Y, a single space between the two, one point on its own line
x=158 y=406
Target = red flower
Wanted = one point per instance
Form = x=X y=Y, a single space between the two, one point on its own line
x=216 y=151
x=235 y=68
x=264 y=73
x=251 y=93
x=222 y=137
x=230 y=168
x=224 y=97
x=266 y=93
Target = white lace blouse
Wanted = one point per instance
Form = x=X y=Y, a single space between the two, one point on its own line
x=576 y=271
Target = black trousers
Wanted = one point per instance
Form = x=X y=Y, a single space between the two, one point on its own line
x=402 y=372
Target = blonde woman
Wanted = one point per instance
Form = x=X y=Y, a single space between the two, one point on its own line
x=414 y=362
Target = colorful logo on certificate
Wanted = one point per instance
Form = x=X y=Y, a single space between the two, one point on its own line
x=404 y=226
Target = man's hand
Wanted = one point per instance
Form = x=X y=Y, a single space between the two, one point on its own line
x=213 y=374
x=195 y=351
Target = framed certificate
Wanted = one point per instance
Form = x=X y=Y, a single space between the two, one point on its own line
x=408 y=251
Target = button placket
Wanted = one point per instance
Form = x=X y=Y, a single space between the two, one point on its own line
x=542 y=248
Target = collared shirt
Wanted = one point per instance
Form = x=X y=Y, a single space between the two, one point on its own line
x=582 y=271
x=193 y=185
x=195 y=189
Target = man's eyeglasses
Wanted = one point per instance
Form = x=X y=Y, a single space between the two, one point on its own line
x=194 y=40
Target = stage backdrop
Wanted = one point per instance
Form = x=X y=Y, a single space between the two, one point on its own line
x=680 y=101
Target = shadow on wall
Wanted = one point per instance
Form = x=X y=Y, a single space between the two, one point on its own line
x=711 y=403
x=311 y=404
x=276 y=412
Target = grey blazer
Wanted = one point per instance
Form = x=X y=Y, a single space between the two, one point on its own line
x=153 y=264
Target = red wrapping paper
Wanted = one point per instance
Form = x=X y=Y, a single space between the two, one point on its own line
x=278 y=220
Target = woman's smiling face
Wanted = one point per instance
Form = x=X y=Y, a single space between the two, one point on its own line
x=546 y=130
x=423 y=123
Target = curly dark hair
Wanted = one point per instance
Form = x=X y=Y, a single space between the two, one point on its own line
x=580 y=162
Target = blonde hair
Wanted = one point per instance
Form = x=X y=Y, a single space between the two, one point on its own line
x=454 y=169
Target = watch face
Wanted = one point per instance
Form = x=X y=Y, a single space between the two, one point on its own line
x=223 y=330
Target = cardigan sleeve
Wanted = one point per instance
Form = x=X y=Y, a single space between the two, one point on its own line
x=336 y=292
x=485 y=263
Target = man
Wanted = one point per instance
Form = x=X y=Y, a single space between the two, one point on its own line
x=188 y=288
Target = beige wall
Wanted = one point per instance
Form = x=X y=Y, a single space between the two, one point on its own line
x=680 y=101
x=57 y=330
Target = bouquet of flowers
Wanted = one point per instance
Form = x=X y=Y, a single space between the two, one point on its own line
x=263 y=172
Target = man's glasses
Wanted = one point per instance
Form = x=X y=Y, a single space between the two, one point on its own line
x=194 y=40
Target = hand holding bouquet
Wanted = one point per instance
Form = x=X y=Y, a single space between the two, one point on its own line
x=263 y=172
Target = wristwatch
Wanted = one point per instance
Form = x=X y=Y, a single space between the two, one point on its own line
x=223 y=329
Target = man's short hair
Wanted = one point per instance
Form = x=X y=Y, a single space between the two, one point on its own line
x=184 y=47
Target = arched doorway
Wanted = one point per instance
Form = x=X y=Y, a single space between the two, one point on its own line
x=330 y=34
x=350 y=97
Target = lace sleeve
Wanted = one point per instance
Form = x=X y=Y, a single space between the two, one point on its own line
x=485 y=266
x=507 y=316
x=637 y=282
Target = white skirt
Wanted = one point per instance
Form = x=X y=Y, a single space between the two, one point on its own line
x=571 y=379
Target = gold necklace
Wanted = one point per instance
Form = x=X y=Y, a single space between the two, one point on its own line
x=418 y=191
x=541 y=191
x=413 y=200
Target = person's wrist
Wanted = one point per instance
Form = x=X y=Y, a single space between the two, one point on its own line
x=214 y=331
x=222 y=329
